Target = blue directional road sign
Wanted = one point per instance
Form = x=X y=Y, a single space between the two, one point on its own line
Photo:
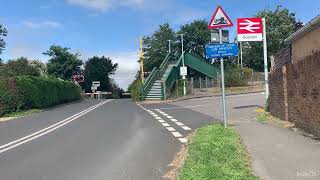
x=221 y=50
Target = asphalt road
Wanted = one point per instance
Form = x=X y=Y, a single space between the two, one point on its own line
x=94 y=140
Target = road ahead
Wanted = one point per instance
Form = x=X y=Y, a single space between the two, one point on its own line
x=114 y=139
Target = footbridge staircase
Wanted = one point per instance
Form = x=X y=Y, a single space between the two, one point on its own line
x=161 y=79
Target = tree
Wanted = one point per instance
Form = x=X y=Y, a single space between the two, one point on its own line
x=62 y=63
x=40 y=66
x=156 y=46
x=280 y=23
x=196 y=36
x=3 y=33
x=99 y=69
x=18 y=67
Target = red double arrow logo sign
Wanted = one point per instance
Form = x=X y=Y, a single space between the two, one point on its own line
x=249 y=25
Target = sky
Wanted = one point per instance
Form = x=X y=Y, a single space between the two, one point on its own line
x=112 y=27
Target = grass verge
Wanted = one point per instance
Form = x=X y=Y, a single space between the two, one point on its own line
x=267 y=117
x=216 y=152
x=22 y=113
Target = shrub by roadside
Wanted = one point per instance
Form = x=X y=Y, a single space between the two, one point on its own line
x=28 y=92
x=135 y=90
x=216 y=152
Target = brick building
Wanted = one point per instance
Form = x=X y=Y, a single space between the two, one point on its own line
x=295 y=79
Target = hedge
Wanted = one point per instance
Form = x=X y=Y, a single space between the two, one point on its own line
x=27 y=92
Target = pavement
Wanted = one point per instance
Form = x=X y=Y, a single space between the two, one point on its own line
x=119 y=139
x=276 y=153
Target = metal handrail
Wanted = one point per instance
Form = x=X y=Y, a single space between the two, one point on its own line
x=149 y=78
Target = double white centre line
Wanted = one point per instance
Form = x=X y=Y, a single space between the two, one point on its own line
x=49 y=129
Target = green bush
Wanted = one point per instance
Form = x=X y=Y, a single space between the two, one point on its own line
x=237 y=76
x=27 y=92
x=135 y=90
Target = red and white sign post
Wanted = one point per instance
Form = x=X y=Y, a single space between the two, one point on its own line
x=254 y=29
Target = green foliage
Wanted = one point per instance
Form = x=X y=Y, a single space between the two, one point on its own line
x=62 y=64
x=196 y=36
x=99 y=69
x=236 y=76
x=216 y=152
x=18 y=67
x=28 y=92
x=156 y=46
x=3 y=33
x=280 y=23
x=135 y=90
x=40 y=66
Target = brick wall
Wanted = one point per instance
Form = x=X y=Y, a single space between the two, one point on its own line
x=276 y=98
x=294 y=92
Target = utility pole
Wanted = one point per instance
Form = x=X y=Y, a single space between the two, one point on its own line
x=265 y=57
x=141 y=60
x=183 y=65
x=169 y=46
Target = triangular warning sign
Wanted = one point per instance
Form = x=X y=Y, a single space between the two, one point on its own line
x=219 y=19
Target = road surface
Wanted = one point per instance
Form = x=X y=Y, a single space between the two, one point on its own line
x=103 y=139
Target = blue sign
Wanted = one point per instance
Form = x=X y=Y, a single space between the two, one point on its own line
x=221 y=50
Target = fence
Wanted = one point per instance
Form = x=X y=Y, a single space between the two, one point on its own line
x=208 y=85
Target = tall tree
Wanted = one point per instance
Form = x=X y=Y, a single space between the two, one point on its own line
x=156 y=46
x=40 y=66
x=62 y=64
x=18 y=67
x=3 y=33
x=99 y=69
x=280 y=23
x=196 y=36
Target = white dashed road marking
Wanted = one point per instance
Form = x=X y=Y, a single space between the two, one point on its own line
x=171 y=129
x=176 y=134
x=184 y=127
x=167 y=125
x=183 y=140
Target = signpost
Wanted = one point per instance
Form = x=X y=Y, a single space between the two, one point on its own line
x=221 y=50
x=254 y=29
x=219 y=20
x=249 y=29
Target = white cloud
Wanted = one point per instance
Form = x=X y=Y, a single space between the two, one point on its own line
x=127 y=64
x=104 y=5
x=42 y=24
x=127 y=67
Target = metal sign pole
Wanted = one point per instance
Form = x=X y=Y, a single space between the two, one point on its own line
x=223 y=86
x=183 y=65
x=265 y=54
x=141 y=60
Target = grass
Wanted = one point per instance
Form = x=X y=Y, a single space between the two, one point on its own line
x=216 y=152
x=267 y=117
x=22 y=113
